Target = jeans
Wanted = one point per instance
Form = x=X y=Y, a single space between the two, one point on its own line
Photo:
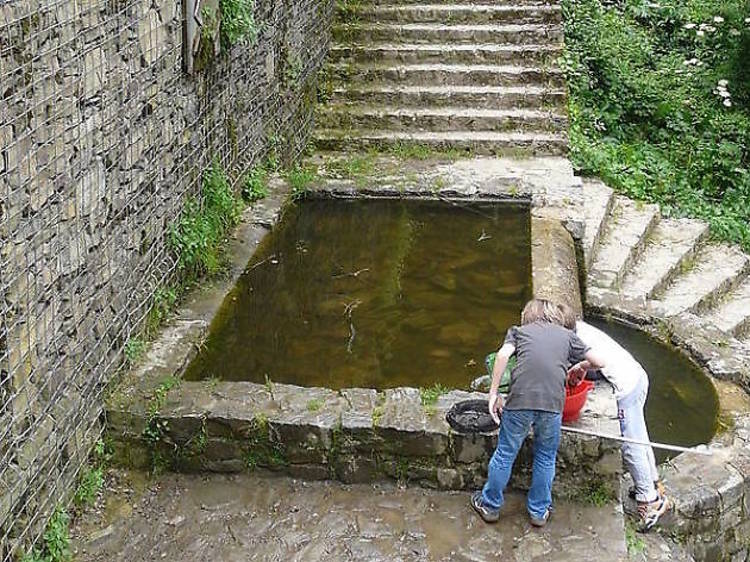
x=639 y=460
x=514 y=428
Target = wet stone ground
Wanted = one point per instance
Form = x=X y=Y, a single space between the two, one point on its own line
x=263 y=517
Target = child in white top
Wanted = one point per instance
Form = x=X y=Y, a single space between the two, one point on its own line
x=630 y=382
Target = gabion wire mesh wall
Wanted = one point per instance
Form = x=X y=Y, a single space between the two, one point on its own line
x=102 y=138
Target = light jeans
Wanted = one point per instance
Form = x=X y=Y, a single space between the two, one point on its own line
x=639 y=460
x=514 y=428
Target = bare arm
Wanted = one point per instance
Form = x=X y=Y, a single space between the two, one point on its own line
x=578 y=371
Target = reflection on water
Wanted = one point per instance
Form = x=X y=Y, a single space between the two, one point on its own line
x=374 y=293
x=683 y=406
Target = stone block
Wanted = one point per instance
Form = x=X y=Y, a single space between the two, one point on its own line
x=308 y=471
x=356 y=469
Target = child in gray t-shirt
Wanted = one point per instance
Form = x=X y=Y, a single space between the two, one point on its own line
x=544 y=351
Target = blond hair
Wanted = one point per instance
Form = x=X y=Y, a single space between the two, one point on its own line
x=569 y=316
x=542 y=310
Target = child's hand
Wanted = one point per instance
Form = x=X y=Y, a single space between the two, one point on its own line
x=496 y=407
x=576 y=374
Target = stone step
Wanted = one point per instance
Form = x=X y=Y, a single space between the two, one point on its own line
x=717 y=269
x=626 y=229
x=672 y=244
x=732 y=313
x=598 y=204
x=445 y=75
x=439 y=119
x=453 y=13
x=484 y=143
x=442 y=33
x=480 y=97
x=525 y=54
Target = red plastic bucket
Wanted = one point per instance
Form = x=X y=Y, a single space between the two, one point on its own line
x=575 y=398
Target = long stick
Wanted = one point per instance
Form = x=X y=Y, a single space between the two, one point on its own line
x=656 y=445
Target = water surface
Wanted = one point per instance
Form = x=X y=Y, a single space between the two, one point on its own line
x=682 y=407
x=374 y=293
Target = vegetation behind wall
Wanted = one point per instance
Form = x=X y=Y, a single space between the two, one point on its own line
x=660 y=103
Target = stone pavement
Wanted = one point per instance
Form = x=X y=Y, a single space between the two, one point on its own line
x=193 y=518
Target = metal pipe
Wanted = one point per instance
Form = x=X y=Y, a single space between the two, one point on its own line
x=654 y=444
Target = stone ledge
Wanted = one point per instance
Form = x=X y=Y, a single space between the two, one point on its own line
x=355 y=435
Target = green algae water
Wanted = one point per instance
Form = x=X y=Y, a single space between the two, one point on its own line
x=374 y=293
x=682 y=407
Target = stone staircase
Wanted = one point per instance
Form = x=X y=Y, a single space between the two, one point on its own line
x=647 y=267
x=450 y=74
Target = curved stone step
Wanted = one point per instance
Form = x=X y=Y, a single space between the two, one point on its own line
x=447 y=53
x=441 y=33
x=732 y=313
x=438 y=119
x=446 y=74
x=484 y=143
x=598 y=200
x=672 y=244
x=626 y=230
x=717 y=268
x=454 y=13
x=480 y=97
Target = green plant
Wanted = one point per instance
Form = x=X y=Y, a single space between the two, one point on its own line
x=429 y=396
x=300 y=178
x=595 y=492
x=198 y=237
x=268 y=383
x=155 y=427
x=352 y=166
x=261 y=449
x=90 y=482
x=55 y=540
x=634 y=542
x=134 y=349
x=237 y=21
x=314 y=405
x=255 y=185
x=164 y=301
x=412 y=151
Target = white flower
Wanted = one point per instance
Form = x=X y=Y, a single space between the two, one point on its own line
x=700 y=33
x=689 y=26
x=734 y=33
x=718 y=19
x=699 y=63
x=723 y=83
x=727 y=103
x=747 y=20
x=724 y=94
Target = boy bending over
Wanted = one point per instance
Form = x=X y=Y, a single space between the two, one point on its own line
x=544 y=351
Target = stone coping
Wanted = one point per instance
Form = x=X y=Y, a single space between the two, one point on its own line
x=357 y=434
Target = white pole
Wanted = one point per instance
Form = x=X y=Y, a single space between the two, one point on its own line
x=656 y=445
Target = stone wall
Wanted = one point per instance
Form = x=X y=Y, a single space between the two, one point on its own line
x=102 y=139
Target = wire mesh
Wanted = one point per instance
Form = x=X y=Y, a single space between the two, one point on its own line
x=102 y=139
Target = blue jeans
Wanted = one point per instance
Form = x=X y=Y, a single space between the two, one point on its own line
x=514 y=427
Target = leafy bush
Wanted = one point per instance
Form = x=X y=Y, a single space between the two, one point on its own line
x=660 y=103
